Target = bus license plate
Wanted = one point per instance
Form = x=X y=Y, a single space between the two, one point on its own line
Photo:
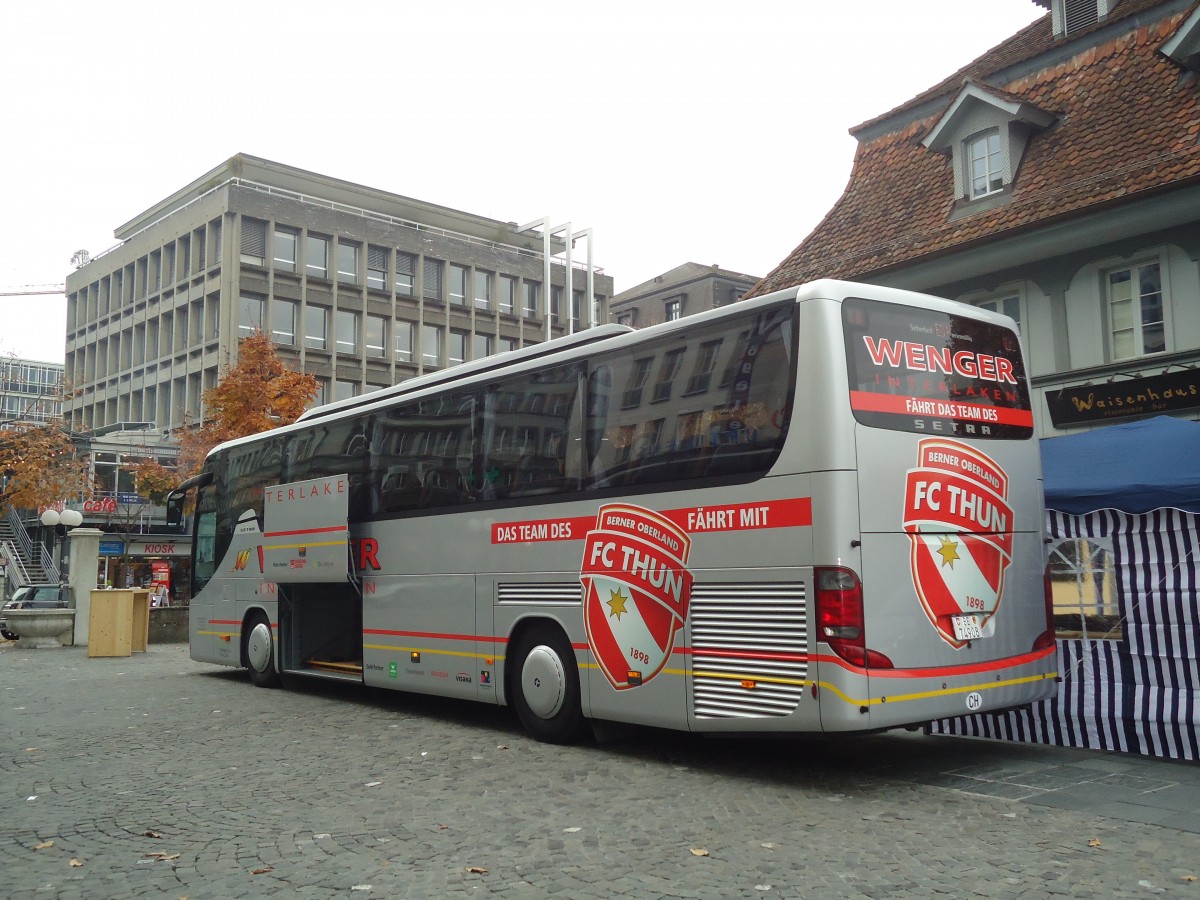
x=966 y=628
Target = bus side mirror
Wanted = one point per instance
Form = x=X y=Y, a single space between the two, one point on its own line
x=175 y=512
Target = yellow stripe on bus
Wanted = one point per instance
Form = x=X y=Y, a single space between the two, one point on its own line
x=944 y=692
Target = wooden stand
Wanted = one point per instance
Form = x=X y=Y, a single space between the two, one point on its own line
x=119 y=623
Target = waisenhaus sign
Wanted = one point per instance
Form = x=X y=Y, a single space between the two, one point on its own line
x=1169 y=392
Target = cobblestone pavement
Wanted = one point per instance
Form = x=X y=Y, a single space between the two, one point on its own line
x=157 y=776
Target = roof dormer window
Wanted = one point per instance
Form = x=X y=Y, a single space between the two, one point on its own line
x=985 y=164
x=985 y=131
x=1071 y=16
x=1184 y=44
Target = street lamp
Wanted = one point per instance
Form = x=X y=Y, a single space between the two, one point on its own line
x=53 y=520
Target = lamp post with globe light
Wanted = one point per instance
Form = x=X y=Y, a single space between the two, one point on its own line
x=59 y=522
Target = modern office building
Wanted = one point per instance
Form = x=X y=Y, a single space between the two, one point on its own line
x=30 y=391
x=358 y=287
x=683 y=291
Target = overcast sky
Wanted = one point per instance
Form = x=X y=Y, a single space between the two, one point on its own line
x=710 y=132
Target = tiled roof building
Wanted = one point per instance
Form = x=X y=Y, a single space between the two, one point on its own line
x=1057 y=178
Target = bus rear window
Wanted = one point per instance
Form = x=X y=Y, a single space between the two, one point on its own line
x=924 y=371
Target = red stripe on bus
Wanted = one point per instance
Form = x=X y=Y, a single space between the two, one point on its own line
x=940 y=671
x=791 y=512
x=332 y=528
x=237 y=622
x=866 y=401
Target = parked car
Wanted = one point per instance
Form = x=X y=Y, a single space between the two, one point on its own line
x=32 y=596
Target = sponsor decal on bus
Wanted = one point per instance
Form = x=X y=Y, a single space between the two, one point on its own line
x=636 y=591
x=960 y=523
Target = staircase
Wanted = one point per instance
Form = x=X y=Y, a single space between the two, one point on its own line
x=28 y=563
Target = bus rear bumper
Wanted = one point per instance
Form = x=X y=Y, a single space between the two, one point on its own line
x=854 y=699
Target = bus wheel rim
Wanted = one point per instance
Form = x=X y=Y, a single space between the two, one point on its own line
x=543 y=682
x=258 y=647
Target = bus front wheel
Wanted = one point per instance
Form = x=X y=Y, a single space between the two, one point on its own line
x=546 y=686
x=258 y=651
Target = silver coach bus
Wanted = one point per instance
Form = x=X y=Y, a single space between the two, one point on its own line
x=817 y=510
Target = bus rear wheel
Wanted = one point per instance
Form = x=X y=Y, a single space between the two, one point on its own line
x=258 y=651
x=546 y=686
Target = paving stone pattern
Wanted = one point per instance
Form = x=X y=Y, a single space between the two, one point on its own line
x=157 y=776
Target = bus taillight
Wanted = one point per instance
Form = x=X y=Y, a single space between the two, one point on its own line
x=1046 y=638
x=840 y=620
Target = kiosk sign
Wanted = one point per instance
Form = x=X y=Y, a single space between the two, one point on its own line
x=636 y=591
x=959 y=521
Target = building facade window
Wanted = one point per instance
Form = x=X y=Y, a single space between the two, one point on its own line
x=481 y=346
x=529 y=302
x=985 y=164
x=287 y=244
x=1137 y=324
x=316 y=256
x=375 y=338
x=456 y=350
x=508 y=294
x=431 y=279
x=346 y=331
x=344 y=390
x=483 y=290
x=507 y=344
x=377 y=265
x=250 y=315
x=406 y=273
x=431 y=346
x=347 y=262
x=556 y=293
x=404 y=341
x=673 y=309
x=316 y=328
x=254 y=243
x=283 y=322
x=458 y=285
x=1006 y=306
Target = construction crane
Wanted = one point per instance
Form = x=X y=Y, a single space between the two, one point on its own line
x=30 y=290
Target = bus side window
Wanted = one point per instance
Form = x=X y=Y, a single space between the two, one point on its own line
x=536 y=445
x=675 y=421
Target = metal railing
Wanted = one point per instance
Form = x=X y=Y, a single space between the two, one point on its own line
x=25 y=548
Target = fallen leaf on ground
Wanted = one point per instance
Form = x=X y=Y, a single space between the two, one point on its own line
x=1094 y=842
x=161 y=857
x=477 y=870
x=44 y=845
x=699 y=851
x=149 y=833
x=1189 y=877
x=261 y=871
x=75 y=863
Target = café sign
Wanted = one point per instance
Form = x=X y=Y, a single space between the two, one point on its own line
x=1152 y=395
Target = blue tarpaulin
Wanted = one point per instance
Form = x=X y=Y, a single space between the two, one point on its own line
x=1135 y=468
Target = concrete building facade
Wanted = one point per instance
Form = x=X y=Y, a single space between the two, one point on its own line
x=358 y=287
x=30 y=391
x=683 y=291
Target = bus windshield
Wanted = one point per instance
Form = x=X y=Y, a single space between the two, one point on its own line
x=920 y=370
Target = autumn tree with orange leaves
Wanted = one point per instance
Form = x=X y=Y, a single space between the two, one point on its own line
x=256 y=394
x=39 y=466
